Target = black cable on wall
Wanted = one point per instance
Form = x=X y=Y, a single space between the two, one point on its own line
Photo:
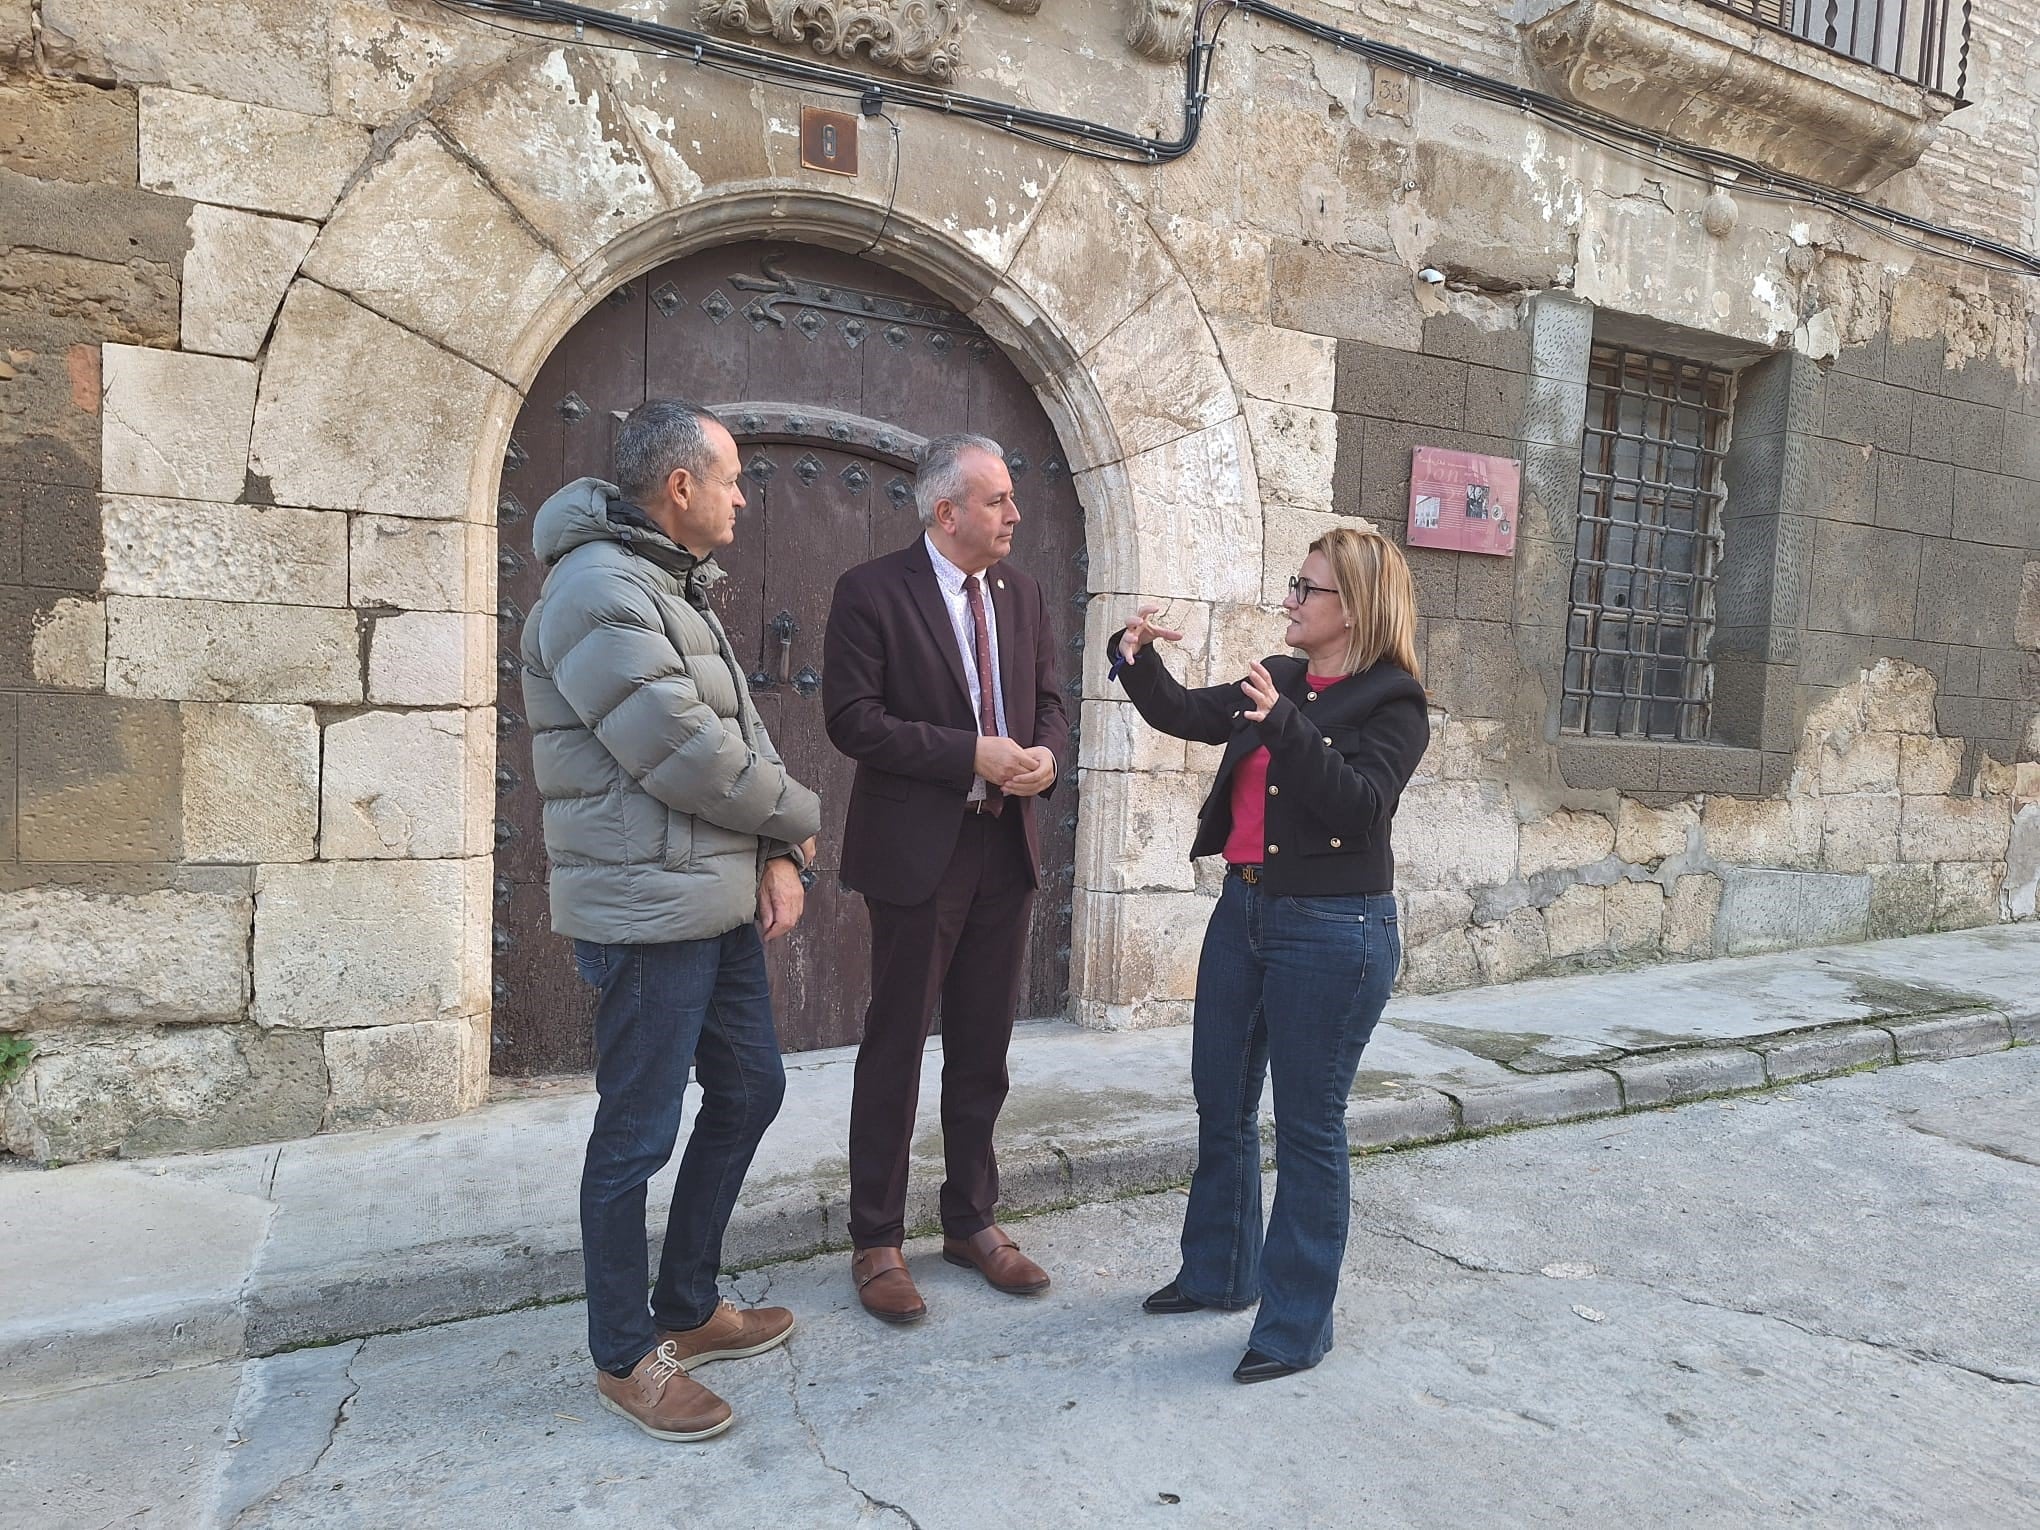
x=1098 y=140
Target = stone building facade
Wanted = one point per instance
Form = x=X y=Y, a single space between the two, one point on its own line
x=275 y=276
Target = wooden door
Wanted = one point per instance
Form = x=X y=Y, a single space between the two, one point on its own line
x=830 y=372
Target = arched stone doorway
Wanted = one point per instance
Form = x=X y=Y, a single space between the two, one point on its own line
x=830 y=370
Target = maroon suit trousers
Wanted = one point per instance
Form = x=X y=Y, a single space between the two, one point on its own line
x=964 y=946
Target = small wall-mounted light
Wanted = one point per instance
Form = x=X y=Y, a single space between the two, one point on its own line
x=1431 y=276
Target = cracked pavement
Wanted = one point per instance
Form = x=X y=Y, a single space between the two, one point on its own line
x=1817 y=1305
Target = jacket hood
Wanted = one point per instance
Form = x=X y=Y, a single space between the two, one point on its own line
x=579 y=513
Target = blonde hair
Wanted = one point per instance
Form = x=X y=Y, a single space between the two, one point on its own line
x=1379 y=597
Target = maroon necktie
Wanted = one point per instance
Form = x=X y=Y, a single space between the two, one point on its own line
x=988 y=706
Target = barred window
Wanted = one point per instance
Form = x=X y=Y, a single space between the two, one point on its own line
x=1648 y=540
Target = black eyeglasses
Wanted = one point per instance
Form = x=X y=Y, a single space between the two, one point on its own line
x=1301 y=589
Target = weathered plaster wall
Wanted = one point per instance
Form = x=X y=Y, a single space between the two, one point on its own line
x=271 y=290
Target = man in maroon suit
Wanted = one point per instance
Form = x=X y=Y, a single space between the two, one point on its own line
x=940 y=682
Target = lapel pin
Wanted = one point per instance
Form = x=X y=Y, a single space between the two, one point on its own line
x=1002 y=584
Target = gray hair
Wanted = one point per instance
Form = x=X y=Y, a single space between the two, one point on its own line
x=941 y=471
x=661 y=434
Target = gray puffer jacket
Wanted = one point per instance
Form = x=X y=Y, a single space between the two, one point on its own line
x=663 y=795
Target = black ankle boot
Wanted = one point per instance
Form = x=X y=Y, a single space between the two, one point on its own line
x=1171 y=1299
x=1255 y=1366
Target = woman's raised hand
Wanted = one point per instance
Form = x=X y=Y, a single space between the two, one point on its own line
x=1259 y=689
x=1141 y=631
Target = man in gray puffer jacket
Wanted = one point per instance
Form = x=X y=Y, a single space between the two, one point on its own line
x=674 y=834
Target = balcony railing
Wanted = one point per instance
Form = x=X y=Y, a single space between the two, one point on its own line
x=1925 y=41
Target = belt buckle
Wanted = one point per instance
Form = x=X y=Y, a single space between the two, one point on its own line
x=1251 y=875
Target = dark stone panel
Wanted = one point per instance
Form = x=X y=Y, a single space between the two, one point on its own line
x=1459 y=338
x=11 y=507
x=1551 y=491
x=8 y=755
x=1868 y=413
x=1829 y=659
x=1436 y=573
x=1347 y=465
x=62 y=546
x=1914 y=494
x=1921 y=364
x=22 y=609
x=1955 y=430
x=1865 y=579
x=1777 y=773
x=103 y=223
x=1865 y=360
x=2022 y=447
x=100 y=778
x=1385 y=467
x=1400 y=385
x=1594 y=764
x=1487 y=588
x=1843 y=481
x=1967 y=594
x=1495 y=401
x=1543 y=581
x=1471 y=667
x=1981 y=382
x=1755 y=704
x=1989 y=507
x=49 y=404
x=1754 y=475
x=1710 y=768
x=1554 y=413
x=1764 y=403
x=2009 y=674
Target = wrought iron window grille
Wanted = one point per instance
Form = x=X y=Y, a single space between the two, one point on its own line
x=1924 y=41
x=1646 y=547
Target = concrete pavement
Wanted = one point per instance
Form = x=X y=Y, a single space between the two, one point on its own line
x=125 y=1269
x=1812 y=1306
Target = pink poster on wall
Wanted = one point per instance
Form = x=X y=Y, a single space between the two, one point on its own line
x=1464 y=502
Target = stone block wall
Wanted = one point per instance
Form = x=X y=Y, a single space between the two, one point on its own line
x=273 y=275
x=229 y=909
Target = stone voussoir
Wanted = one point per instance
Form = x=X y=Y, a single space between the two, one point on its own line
x=1965 y=1033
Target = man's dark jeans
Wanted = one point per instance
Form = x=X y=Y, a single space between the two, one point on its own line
x=662 y=1008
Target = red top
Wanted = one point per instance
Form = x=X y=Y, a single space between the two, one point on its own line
x=1249 y=837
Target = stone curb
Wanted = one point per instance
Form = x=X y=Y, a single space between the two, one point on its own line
x=421 y=1287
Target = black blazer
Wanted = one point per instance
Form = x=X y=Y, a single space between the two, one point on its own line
x=895 y=700
x=1337 y=763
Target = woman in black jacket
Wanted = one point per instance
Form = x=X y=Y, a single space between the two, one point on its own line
x=1302 y=948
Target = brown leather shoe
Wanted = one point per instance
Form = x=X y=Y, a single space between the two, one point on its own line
x=998 y=1258
x=885 y=1287
x=659 y=1399
x=732 y=1334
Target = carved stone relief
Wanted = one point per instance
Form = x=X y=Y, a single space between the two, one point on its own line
x=1163 y=29
x=1019 y=7
x=923 y=37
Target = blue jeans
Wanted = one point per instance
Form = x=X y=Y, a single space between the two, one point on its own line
x=1292 y=987
x=703 y=1003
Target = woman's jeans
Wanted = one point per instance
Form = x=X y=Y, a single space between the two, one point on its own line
x=662 y=1008
x=1292 y=987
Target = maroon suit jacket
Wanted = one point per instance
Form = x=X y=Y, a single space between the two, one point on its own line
x=896 y=702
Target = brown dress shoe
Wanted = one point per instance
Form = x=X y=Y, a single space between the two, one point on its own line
x=732 y=1334
x=998 y=1258
x=658 y=1397
x=885 y=1287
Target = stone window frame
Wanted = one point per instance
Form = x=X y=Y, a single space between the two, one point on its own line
x=1764 y=573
